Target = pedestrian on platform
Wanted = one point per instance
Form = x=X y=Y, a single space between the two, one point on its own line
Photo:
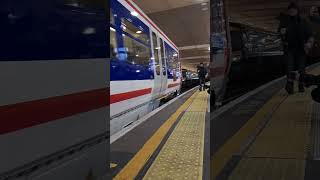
x=297 y=40
x=202 y=72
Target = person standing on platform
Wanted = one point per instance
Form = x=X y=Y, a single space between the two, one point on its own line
x=202 y=76
x=297 y=40
x=314 y=21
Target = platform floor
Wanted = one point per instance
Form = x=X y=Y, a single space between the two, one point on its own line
x=170 y=145
x=279 y=141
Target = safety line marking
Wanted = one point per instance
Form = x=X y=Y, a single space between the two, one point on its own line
x=132 y=168
x=225 y=153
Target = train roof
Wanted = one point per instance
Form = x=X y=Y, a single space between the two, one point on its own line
x=144 y=17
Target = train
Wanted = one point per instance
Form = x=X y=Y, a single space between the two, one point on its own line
x=54 y=89
x=144 y=65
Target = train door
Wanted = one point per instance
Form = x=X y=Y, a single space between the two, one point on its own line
x=157 y=66
x=163 y=62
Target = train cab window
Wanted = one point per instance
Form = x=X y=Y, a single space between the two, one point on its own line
x=137 y=53
x=156 y=53
x=163 y=59
x=136 y=32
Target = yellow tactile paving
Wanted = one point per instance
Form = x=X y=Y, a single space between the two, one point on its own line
x=182 y=155
x=200 y=104
x=132 y=168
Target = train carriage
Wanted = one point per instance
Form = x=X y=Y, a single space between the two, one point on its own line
x=144 y=65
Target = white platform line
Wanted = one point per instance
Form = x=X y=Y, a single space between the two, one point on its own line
x=124 y=131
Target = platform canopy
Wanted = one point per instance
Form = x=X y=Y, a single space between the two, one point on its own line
x=186 y=23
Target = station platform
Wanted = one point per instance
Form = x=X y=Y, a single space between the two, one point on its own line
x=170 y=143
x=267 y=134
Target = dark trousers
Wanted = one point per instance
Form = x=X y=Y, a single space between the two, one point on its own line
x=295 y=62
x=202 y=83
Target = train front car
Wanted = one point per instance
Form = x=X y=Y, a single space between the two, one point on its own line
x=144 y=65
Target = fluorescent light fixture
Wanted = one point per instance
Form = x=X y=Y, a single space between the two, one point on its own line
x=112 y=29
x=139 y=32
x=137 y=55
x=203 y=4
x=157 y=48
x=134 y=13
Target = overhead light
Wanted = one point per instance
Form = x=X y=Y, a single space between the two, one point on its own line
x=123 y=27
x=137 y=55
x=134 y=13
x=203 y=4
x=112 y=29
x=175 y=55
x=157 y=48
x=139 y=32
x=209 y=48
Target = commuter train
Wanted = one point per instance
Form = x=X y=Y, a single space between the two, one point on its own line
x=54 y=89
x=144 y=65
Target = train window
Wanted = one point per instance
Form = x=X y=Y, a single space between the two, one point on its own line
x=111 y=18
x=174 y=64
x=57 y=29
x=137 y=52
x=164 y=72
x=134 y=31
x=113 y=43
x=156 y=52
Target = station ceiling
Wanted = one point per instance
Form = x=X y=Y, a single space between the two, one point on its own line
x=186 y=23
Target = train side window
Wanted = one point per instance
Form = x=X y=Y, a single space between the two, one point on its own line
x=137 y=52
x=113 y=43
x=156 y=53
x=177 y=67
x=173 y=64
x=111 y=18
x=113 y=38
x=164 y=72
x=137 y=32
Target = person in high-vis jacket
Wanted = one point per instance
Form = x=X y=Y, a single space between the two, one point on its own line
x=297 y=40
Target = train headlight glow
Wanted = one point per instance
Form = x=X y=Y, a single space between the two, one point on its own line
x=134 y=13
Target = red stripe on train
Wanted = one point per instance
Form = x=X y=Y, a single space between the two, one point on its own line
x=129 y=95
x=27 y=114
